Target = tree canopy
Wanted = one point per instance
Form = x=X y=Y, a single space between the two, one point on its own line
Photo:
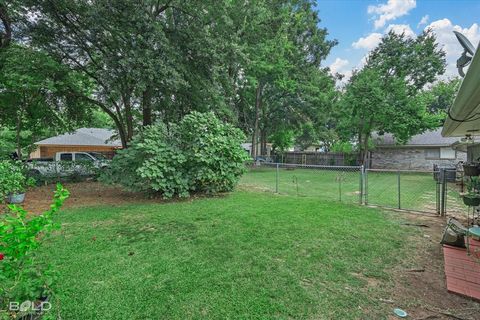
x=386 y=95
x=256 y=64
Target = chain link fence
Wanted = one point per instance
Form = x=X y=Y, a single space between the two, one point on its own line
x=399 y=189
x=338 y=183
x=422 y=191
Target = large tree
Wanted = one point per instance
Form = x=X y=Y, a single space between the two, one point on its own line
x=386 y=95
x=37 y=94
x=146 y=58
x=284 y=50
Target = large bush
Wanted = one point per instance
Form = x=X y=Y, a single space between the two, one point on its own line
x=199 y=154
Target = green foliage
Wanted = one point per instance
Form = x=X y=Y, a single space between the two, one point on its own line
x=282 y=140
x=22 y=277
x=213 y=152
x=307 y=137
x=37 y=92
x=287 y=85
x=152 y=163
x=439 y=98
x=13 y=179
x=386 y=95
x=200 y=154
x=473 y=185
x=341 y=146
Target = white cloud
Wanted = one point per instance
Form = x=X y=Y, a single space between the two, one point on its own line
x=443 y=30
x=401 y=28
x=341 y=66
x=423 y=21
x=338 y=65
x=369 y=42
x=391 y=10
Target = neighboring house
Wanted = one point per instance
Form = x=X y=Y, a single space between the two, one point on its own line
x=421 y=152
x=84 y=139
x=248 y=147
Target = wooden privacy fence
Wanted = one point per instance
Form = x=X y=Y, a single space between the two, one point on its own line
x=319 y=158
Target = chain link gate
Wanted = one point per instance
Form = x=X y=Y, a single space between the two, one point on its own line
x=402 y=189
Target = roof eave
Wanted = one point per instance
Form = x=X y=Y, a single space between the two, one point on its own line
x=466 y=104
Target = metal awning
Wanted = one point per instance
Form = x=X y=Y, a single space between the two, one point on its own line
x=467 y=104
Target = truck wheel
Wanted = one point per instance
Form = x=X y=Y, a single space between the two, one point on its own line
x=34 y=173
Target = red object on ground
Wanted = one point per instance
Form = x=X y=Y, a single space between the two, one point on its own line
x=1 y=256
x=462 y=270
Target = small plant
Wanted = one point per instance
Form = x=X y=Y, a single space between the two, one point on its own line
x=13 y=180
x=473 y=185
x=471 y=169
x=472 y=197
x=22 y=276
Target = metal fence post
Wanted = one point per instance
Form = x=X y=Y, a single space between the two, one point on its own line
x=437 y=191
x=366 y=187
x=339 y=177
x=361 y=184
x=276 y=180
x=443 y=199
x=398 y=179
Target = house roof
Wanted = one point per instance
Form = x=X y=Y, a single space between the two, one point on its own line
x=84 y=137
x=431 y=138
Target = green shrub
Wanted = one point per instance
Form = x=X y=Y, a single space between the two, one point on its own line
x=152 y=163
x=199 y=154
x=22 y=277
x=215 y=158
x=13 y=179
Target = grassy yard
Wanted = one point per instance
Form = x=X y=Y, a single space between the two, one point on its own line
x=247 y=255
x=418 y=190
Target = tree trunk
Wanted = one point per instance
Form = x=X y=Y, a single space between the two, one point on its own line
x=258 y=104
x=263 y=142
x=122 y=134
x=128 y=117
x=19 y=129
x=7 y=27
x=147 y=107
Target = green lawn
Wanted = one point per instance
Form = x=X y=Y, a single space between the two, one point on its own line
x=306 y=182
x=418 y=190
x=245 y=256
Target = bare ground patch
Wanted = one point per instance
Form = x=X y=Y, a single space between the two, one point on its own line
x=419 y=282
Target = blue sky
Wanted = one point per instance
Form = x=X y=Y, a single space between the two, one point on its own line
x=358 y=26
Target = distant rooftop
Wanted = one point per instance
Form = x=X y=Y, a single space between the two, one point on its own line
x=428 y=138
x=84 y=137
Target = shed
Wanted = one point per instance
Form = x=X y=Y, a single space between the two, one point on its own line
x=85 y=139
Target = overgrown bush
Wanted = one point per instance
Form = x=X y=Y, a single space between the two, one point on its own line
x=22 y=276
x=152 y=163
x=13 y=179
x=199 y=154
x=213 y=152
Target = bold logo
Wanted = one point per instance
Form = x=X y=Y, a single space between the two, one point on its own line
x=29 y=306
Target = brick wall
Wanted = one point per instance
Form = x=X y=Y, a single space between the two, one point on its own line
x=406 y=158
x=50 y=151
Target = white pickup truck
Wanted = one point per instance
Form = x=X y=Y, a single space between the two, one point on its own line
x=68 y=163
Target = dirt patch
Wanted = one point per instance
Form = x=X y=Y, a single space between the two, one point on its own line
x=83 y=194
x=91 y=193
x=420 y=287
